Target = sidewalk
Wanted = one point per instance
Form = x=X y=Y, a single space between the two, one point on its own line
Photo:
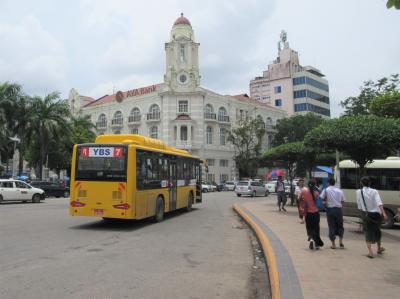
x=327 y=273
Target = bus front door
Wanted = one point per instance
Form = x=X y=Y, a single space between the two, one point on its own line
x=172 y=185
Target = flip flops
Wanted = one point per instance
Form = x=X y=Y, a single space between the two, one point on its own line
x=370 y=256
x=380 y=251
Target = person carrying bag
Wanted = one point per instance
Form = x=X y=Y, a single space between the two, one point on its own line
x=370 y=203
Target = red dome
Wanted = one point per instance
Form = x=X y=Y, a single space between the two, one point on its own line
x=182 y=20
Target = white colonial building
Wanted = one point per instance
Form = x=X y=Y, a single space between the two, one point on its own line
x=178 y=111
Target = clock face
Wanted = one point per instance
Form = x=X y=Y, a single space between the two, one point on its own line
x=182 y=78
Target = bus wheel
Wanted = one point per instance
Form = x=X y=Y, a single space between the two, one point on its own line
x=189 y=202
x=36 y=198
x=159 y=210
x=390 y=220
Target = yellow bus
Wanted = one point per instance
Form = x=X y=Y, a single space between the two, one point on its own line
x=132 y=177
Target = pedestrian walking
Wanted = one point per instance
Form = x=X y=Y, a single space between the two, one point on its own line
x=334 y=198
x=280 y=191
x=369 y=201
x=311 y=214
x=299 y=188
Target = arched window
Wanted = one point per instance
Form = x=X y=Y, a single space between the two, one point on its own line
x=222 y=136
x=209 y=112
x=154 y=112
x=209 y=135
x=102 y=121
x=268 y=123
x=135 y=114
x=117 y=119
x=259 y=118
x=222 y=114
x=154 y=132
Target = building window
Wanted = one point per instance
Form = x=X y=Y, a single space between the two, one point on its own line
x=134 y=131
x=278 y=89
x=222 y=136
x=102 y=121
x=222 y=115
x=183 y=106
x=118 y=119
x=154 y=112
x=182 y=52
x=154 y=132
x=135 y=115
x=223 y=177
x=278 y=103
x=184 y=133
x=209 y=135
x=210 y=162
x=311 y=108
x=223 y=163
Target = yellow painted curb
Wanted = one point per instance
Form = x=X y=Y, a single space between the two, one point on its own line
x=269 y=252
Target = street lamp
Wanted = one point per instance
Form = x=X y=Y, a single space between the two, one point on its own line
x=15 y=140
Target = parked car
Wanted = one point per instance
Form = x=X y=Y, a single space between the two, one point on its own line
x=229 y=186
x=213 y=186
x=16 y=190
x=220 y=187
x=251 y=188
x=205 y=187
x=270 y=186
x=52 y=188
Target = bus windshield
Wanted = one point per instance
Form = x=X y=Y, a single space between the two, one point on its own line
x=101 y=163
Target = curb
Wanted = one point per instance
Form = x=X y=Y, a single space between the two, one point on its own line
x=268 y=251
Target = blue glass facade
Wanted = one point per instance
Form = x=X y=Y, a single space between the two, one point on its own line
x=310 y=81
x=311 y=108
x=304 y=93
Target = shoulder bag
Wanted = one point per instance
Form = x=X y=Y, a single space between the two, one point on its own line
x=370 y=217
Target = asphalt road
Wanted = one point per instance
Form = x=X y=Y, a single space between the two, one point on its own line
x=45 y=253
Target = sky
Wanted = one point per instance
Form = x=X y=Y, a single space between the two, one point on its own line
x=101 y=46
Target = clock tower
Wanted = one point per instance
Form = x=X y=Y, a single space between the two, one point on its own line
x=182 y=59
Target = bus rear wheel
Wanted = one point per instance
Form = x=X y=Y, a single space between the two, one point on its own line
x=159 y=210
x=189 y=202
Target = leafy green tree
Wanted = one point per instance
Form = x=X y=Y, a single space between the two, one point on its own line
x=363 y=138
x=359 y=105
x=295 y=128
x=49 y=122
x=247 y=139
x=393 y=3
x=386 y=104
x=287 y=155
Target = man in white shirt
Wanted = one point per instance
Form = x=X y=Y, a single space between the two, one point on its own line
x=369 y=201
x=280 y=192
x=334 y=198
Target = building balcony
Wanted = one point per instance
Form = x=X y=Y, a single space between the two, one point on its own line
x=223 y=118
x=183 y=144
x=155 y=116
x=210 y=116
x=101 y=125
x=134 y=119
x=117 y=122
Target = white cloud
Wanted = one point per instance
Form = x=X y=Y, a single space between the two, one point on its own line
x=31 y=56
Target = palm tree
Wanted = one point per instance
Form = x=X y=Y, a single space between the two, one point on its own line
x=48 y=121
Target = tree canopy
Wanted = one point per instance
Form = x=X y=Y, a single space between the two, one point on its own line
x=363 y=138
x=393 y=3
x=294 y=128
x=247 y=140
x=386 y=104
x=359 y=105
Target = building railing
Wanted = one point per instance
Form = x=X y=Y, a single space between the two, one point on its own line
x=153 y=116
x=223 y=118
x=134 y=118
x=101 y=124
x=119 y=121
x=210 y=115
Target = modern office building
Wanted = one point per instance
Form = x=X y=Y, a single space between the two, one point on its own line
x=291 y=87
x=179 y=111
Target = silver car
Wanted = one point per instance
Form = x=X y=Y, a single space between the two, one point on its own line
x=251 y=188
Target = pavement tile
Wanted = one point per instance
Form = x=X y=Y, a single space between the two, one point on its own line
x=327 y=273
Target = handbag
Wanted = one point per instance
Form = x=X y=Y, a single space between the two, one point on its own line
x=370 y=217
x=319 y=204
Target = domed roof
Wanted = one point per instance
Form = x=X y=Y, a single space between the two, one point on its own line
x=182 y=21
